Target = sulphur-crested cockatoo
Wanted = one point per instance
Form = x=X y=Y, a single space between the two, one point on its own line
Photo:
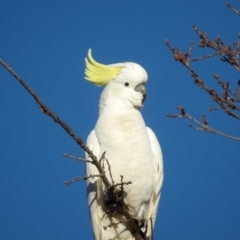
x=132 y=150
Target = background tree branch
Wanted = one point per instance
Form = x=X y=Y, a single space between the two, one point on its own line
x=234 y=9
x=228 y=99
x=200 y=126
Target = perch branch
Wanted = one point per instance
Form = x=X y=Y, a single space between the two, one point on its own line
x=47 y=111
x=80 y=142
x=78 y=159
x=76 y=179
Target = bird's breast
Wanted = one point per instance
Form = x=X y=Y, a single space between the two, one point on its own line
x=124 y=138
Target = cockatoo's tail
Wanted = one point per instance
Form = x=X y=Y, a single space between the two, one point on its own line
x=97 y=73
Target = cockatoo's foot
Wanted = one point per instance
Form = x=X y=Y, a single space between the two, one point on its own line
x=141 y=222
x=115 y=197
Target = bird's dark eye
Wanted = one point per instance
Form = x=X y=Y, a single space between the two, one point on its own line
x=126 y=84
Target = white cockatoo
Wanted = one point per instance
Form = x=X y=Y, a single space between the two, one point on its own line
x=132 y=150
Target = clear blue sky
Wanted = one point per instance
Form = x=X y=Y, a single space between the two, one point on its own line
x=46 y=42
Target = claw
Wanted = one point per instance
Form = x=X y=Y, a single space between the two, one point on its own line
x=114 y=197
x=141 y=222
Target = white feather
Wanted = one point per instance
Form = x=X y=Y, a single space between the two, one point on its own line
x=132 y=150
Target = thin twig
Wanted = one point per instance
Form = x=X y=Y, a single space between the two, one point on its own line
x=234 y=9
x=224 y=102
x=225 y=86
x=110 y=172
x=204 y=57
x=227 y=53
x=112 y=224
x=76 y=179
x=78 y=159
x=203 y=126
x=213 y=108
x=122 y=183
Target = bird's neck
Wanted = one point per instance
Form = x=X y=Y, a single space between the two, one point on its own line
x=119 y=106
x=124 y=120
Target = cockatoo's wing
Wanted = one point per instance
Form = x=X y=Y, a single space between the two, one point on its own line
x=93 y=187
x=158 y=178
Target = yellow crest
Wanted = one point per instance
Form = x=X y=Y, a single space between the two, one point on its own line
x=97 y=73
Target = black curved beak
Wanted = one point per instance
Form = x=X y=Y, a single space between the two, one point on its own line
x=142 y=89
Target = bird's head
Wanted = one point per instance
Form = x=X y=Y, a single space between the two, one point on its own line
x=124 y=82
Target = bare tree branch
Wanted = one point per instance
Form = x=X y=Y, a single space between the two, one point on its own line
x=78 y=159
x=109 y=169
x=111 y=189
x=228 y=53
x=225 y=103
x=204 y=57
x=47 y=111
x=228 y=100
x=201 y=126
x=225 y=86
x=76 y=179
x=234 y=9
